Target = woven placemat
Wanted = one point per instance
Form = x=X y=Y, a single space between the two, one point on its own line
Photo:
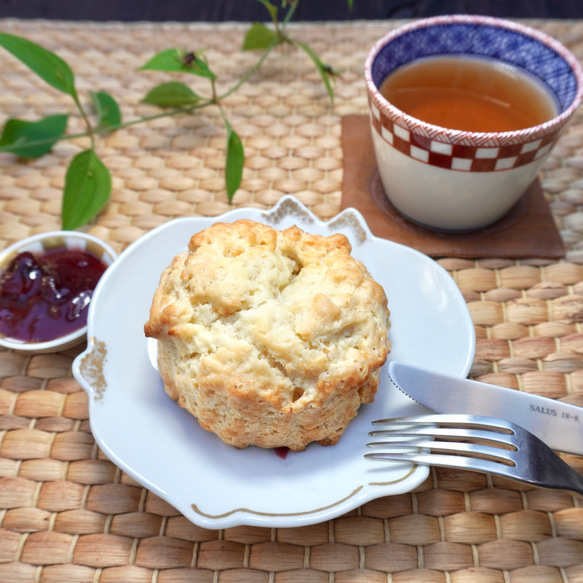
x=528 y=230
x=68 y=514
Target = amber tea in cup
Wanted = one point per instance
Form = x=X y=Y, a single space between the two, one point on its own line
x=469 y=94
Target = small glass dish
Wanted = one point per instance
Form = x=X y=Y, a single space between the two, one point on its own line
x=41 y=243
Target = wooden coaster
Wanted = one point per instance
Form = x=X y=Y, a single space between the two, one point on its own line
x=528 y=230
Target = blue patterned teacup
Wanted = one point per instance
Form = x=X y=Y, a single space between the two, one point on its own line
x=458 y=180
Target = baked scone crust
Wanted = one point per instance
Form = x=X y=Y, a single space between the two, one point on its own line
x=270 y=338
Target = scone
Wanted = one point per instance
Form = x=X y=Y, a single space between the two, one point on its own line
x=269 y=338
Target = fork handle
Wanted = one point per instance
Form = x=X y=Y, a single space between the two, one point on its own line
x=565 y=479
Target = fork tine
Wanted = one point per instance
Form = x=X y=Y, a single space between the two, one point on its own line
x=444 y=433
x=457 y=420
x=503 y=456
x=494 y=455
x=444 y=461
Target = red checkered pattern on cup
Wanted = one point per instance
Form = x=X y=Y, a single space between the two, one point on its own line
x=465 y=158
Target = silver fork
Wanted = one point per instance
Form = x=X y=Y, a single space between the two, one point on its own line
x=474 y=443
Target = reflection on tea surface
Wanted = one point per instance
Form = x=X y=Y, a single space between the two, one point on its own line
x=470 y=94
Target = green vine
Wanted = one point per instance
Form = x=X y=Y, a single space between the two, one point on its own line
x=88 y=181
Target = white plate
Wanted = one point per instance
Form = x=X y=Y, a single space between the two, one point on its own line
x=162 y=446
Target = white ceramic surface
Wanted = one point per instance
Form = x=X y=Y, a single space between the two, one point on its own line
x=214 y=485
x=445 y=199
x=459 y=180
x=38 y=244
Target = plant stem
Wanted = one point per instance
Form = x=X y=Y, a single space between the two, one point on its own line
x=97 y=131
x=281 y=38
x=251 y=71
x=86 y=120
x=290 y=13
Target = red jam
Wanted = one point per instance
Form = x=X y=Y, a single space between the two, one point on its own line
x=46 y=296
x=281 y=452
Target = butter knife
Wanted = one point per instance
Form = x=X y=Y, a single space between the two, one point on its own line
x=558 y=424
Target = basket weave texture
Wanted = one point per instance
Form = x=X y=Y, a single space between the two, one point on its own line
x=67 y=514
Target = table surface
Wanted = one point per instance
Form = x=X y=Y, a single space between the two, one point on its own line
x=68 y=514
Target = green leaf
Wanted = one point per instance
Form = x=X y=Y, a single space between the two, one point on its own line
x=48 y=66
x=325 y=71
x=18 y=134
x=235 y=161
x=350 y=4
x=87 y=189
x=179 y=61
x=258 y=37
x=106 y=108
x=172 y=94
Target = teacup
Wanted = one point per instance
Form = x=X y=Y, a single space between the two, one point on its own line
x=458 y=180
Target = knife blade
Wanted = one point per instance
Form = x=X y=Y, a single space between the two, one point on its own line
x=558 y=424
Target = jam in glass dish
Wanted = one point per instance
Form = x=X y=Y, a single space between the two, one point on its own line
x=46 y=285
x=47 y=296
